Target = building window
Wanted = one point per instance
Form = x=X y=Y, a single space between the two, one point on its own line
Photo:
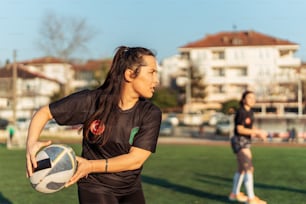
x=185 y=55
x=284 y=53
x=218 y=55
x=221 y=89
x=218 y=71
x=271 y=109
x=218 y=89
x=236 y=41
x=242 y=71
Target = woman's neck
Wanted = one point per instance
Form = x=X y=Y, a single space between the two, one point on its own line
x=127 y=103
x=247 y=107
x=128 y=97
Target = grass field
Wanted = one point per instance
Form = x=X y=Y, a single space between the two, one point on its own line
x=180 y=174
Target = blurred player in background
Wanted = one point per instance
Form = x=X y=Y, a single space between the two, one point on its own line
x=244 y=131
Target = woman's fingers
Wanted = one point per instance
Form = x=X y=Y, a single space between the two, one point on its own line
x=82 y=171
x=32 y=150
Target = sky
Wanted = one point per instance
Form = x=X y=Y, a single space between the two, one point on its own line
x=161 y=25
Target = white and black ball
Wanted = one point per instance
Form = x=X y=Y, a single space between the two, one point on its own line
x=56 y=164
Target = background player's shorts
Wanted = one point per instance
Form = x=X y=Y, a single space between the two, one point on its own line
x=240 y=142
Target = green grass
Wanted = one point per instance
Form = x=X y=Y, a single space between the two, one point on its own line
x=180 y=174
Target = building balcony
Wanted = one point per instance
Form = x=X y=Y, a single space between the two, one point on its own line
x=288 y=62
x=222 y=80
x=5 y=94
x=222 y=97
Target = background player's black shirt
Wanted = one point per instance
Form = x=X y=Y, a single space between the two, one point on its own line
x=138 y=127
x=244 y=118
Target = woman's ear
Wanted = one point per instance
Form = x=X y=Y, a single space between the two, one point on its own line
x=128 y=75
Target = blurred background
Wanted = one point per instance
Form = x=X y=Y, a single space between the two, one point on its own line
x=209 y=52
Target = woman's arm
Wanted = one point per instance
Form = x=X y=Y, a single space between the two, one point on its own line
x=131 y=161
x=254 y=132
x=39 y=120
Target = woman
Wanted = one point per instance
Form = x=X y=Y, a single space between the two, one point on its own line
x=120 y=129
x=241 y=143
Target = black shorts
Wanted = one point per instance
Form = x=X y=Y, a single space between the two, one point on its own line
x=92 y=197
x=240 y=142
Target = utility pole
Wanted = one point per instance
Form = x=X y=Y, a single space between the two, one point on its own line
x=299 y=93
x=14 y=87
x=300 y=96
x=188 y=86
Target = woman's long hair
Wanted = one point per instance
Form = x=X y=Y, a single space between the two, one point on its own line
x=244 y=94
x=125 y=58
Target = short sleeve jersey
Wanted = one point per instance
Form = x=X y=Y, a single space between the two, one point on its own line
x=138 y=127
x=244 y=118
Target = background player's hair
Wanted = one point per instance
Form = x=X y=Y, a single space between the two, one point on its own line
x=244 y=94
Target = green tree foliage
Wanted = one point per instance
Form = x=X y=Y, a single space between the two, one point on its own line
x=304 y=95
x=165 y=98
x=56 y=96
x=197 y=84
x=100 y=73
x=230 y=106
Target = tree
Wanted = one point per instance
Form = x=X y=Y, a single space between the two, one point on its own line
x=165 y=98
x=197 y=84
x=230 y=106
x=193 y=80
x=62 y=37
x=304 y=95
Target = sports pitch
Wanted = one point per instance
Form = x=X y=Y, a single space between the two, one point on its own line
x=180 y=174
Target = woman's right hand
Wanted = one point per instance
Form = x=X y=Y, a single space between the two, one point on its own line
x=32 y=149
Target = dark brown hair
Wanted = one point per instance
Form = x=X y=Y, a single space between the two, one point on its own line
x=125 y=58
x=244 y=94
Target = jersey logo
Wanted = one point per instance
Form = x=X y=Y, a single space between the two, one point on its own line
x=96 y=127
x=134 y=131
x=248 y=121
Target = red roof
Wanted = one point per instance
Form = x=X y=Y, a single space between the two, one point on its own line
x=237 y=38
x=92 y=65
x=22 y=72
x=44 y=60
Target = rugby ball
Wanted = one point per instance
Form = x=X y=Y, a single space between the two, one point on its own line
x=56 y=164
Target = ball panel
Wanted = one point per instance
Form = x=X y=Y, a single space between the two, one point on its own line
x=63 y=166
x=55 y=186
x=54 y=152
x=63 y=163
x=43 y=164
x=63 y=176
x=42 y=155
x=38 y=176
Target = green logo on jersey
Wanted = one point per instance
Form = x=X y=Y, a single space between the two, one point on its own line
x=132 y=135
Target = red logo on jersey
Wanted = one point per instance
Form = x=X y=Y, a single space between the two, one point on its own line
x=96 y=127
x=248 y=121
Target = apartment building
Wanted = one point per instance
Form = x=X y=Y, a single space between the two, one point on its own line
x=53 y=68
x=38 y=80
x=232 y=62
x=32 y=91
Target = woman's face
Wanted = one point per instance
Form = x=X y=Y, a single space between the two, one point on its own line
x=250 y=100
x=147 y=79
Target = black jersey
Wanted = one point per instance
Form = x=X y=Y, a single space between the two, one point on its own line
x=138 y=127
x=244 y=118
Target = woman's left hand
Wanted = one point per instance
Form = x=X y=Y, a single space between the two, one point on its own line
x=84 y=168
x=262 y=135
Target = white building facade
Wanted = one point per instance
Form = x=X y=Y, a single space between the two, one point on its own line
x=37 y=81
x=232 y=62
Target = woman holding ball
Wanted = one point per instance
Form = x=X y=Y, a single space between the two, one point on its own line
x=120 y=129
